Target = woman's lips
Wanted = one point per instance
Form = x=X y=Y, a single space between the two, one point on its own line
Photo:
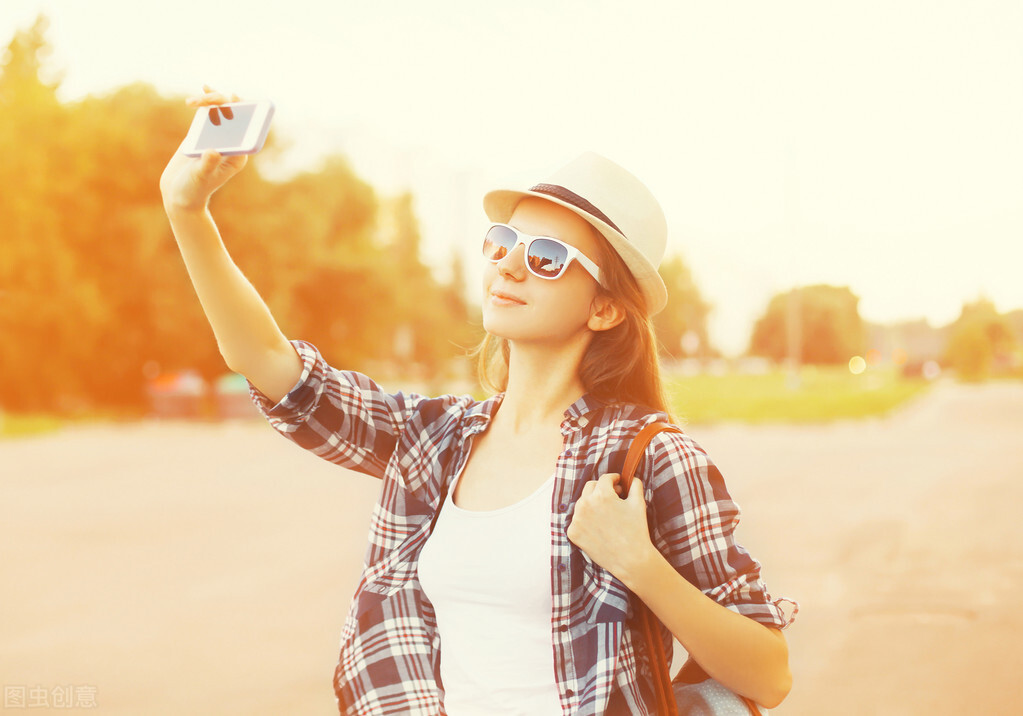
x=500 y=298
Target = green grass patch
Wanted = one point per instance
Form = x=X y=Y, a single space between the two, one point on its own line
x=822 y=394
x=19 y=425
x=16 y=426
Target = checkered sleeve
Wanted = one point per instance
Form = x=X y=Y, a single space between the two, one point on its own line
x=340 y=416
x=694 y=520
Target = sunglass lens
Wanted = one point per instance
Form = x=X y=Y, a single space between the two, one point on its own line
x=547 y=258
x=498 y=242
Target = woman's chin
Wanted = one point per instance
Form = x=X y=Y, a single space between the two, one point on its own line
x=504 y=329
x=495 y=329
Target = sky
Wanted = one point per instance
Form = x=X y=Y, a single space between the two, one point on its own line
x=875 y=145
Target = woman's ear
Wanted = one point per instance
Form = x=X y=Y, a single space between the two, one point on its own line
x=605 y=313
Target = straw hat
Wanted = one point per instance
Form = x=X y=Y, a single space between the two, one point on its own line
x=616 y=203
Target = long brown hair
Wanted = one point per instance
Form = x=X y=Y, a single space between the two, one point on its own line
x=620 y=364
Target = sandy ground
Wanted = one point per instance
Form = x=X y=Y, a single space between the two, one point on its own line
x=169 y=568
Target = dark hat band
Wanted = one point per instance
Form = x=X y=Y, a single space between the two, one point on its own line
x=570 y=197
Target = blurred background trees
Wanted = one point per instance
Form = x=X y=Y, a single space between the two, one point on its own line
x=95 y=304
x=830 y=329
x=982 y=342
x=682 y=326
x=94 y=299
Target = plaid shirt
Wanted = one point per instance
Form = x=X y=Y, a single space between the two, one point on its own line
x=389 y=660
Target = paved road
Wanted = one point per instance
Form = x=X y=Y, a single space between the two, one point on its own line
x=901 y=540
x=173 y=568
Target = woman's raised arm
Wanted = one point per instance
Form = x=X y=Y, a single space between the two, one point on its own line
x=247 y=334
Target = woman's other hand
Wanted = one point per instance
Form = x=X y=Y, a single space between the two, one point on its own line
x=187 y=182
x=613 y=532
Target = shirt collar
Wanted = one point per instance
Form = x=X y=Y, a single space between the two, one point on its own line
x=577 y=416
x=477 y=418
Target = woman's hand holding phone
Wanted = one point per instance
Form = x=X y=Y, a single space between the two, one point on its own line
x=188 y=182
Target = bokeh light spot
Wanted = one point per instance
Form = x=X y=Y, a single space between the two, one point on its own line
x=931 y=370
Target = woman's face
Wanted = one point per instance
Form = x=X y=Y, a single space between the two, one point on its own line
x=525 y=308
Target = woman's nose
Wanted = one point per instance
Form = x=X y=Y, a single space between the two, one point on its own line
x=513 y=263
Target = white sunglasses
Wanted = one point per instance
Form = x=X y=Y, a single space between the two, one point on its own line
x=546 y=257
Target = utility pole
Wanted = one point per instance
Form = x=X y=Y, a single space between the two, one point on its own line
x=794 y=333
x=794 y=314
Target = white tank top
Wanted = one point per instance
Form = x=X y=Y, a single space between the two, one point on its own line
x=488 y=576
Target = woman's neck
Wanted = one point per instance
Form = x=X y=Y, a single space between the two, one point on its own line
x=542 y=384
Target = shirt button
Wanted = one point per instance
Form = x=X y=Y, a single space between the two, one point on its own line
x=561 y=567
x=563 y=507
x=569 y=693
x=563 y=628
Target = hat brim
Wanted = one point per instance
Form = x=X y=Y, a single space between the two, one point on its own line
x=500 y=204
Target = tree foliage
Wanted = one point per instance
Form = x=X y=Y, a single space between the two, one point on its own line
x=981 y=342
x=93 y=293
x=686 y=311
x=829 y=325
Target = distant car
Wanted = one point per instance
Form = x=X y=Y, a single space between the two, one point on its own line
x=231 y=396
x=177 y=395
x=928 y=369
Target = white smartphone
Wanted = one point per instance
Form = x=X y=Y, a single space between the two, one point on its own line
x=233 y=128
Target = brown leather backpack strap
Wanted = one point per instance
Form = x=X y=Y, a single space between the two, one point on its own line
x=660 y=662
x=638 y=447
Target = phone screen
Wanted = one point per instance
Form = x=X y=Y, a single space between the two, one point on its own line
x=219 y=132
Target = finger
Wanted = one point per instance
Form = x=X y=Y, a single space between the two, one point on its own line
x=618 y=483
x=612 y=482
x=636 y=491
x=236 y=161
x=197 y=99
x=211 y=97
x=210 y=159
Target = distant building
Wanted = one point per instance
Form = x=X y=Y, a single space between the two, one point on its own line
x=1015 y=319
x=909 y=342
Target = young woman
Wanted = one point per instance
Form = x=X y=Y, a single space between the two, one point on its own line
x=503 y=566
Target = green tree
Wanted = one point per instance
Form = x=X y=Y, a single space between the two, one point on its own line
x=36 y=276
x=685 y=312
x=467 y=328
x=830 y=325
x=307 y=244
x=433 y=315
x=23 y=63
x=94 y=298
x=981 y=341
